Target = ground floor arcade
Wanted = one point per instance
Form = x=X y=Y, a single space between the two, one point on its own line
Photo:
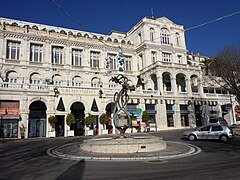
x=33 y=121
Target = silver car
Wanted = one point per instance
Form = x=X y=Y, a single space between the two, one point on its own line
x=210 y=131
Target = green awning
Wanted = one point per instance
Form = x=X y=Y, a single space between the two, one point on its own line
x=60 y=106
x=94 y=107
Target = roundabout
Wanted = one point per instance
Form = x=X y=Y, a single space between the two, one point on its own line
x=173 y=150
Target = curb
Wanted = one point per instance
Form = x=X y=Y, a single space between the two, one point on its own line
x=193 y=150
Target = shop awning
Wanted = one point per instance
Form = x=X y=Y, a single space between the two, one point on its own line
x=60 y=106
x=94 y=107
x=10 y=116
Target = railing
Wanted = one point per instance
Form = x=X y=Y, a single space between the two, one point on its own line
x=150 y=91
x=85 y=88
x=6 y=85
x=38 y=87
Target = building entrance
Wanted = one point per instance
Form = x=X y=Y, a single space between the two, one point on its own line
x=37 y=119
x=78 y=109
x=59 y=126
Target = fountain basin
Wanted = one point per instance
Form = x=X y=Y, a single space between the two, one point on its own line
x=132 y=143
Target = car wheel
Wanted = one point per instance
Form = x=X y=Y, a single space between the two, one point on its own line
x=192 y=137
x=224 y=138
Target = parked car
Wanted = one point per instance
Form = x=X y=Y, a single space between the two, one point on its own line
x=218 y=120
x=210 y=131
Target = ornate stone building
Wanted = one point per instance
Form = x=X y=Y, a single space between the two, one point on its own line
x=53 y=71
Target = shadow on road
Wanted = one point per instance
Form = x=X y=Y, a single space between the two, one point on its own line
x=76 y=171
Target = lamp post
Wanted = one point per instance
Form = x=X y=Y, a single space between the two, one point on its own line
x=56 y=91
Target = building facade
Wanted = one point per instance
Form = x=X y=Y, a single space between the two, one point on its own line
x=52 y=71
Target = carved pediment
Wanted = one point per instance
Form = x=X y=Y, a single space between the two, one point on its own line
x=165 y=20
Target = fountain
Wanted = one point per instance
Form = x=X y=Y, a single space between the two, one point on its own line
x=123 y=143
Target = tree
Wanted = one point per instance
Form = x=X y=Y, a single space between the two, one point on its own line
x=224 y=70
x=52 y=120
x=145 y=117
x=89 y=120
x=104 y=118
x=70 y=119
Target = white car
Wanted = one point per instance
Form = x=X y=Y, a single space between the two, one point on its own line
x=210 y=131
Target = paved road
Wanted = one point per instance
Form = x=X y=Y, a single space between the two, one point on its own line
x=27 y=159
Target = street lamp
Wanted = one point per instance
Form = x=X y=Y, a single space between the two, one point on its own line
x=56 y=92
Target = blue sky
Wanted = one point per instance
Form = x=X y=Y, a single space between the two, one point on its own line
x=102 y=16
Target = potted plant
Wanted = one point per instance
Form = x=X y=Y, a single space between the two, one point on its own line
x=70 y=120
x=22 y=131
x=52 y=120
x=103 y=120
x=88 y=121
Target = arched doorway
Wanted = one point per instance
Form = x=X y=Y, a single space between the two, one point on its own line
x=78 y=109
x=109 y=110
x=37 y=119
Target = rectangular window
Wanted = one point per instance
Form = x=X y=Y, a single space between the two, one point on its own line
x=179 y=59
x=154 y=56
x=166 y=57
x=140 y=38
x=13 y=50
x=113 y=58
x=76 y=57
x=36 y=51
x=128 y=63
x=205 y=90
x=94 y=59
x=57 y=55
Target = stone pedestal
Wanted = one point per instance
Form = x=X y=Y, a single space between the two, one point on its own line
x=123 y=145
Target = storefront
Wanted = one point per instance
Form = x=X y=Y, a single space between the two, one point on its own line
x=198 y=116
x=184 y=115
x=9 y=113
x=170 y=112
x=150 y=108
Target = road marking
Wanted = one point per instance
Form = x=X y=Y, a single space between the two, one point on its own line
x=193 y=150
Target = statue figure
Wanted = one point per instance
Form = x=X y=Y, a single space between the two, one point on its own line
x=121 y=117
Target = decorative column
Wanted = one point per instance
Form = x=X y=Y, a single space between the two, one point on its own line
x=177 y=115
x=191 y=115
x=161 y=117
x=160 y=83
x=188 y=86
x=174 y=85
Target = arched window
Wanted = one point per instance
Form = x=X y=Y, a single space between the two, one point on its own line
x=151 y=34
x=12 y=77
x=166 y=78
x=181 y=82
x=35 y=78
x=154 y=79
x=57 y=80
x=164 y=36
x=76 y=81
x=177 y=39
x=95 y=82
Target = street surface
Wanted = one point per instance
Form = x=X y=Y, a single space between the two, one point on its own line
x=27 y=159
